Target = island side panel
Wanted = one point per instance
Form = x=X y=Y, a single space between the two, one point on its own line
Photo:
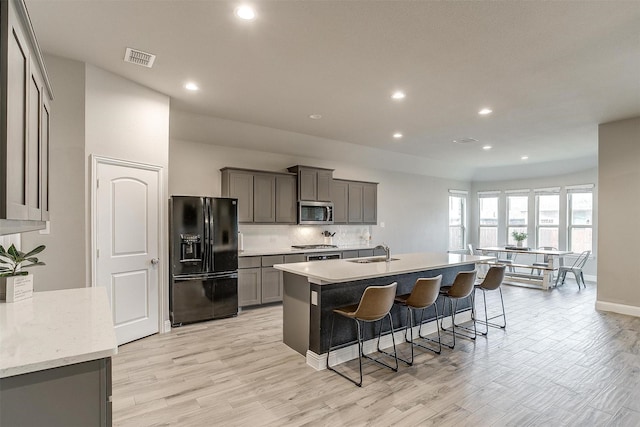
x=335 y=295
x=295 y=312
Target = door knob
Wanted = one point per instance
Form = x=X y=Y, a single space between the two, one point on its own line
x=155 y=261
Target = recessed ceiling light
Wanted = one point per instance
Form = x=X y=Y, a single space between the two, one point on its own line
x=524 y=157
x=245 y=12
x=397 y=135
x=191 y=86
x=485 y=111
x=315 y=116
x=487 y=147
x=398 y=95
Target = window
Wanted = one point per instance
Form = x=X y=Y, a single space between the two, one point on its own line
x=457 y=219
x=548 y=220
x=580 y=221
x=488 y=207
x=517 y=213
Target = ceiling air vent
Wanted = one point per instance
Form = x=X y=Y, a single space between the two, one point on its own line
x=465 y=140
x=139 y=57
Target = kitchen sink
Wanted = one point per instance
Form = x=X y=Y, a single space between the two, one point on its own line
x=370 y=260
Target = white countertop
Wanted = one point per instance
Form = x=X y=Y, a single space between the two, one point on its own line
x=343 y=270
x=54 y=329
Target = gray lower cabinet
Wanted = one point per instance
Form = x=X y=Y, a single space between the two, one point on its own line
x=272 y=279
x=350 y=254
x=72 y=395
x=272 y=285
x=258 y=282
x=361 y=253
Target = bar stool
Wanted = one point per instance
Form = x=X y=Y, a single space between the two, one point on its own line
x=462 y=287
x=423 y=295
x=375 y=304
x=491 y=282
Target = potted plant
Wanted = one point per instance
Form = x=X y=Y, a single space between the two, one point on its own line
x=519 y=237
x=15 y=283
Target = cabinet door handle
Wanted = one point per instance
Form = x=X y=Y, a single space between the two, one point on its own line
x=155 y=261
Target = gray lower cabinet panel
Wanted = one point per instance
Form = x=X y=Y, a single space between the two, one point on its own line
x=72 y=395
x=249 y=286
x=271 y=285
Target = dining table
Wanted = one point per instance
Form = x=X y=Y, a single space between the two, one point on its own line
x=537 y=274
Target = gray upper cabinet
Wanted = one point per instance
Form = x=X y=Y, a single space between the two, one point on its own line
x=286 y=205
x=354 y=202
x=356 y=190
x=324 y=185
x=263 y=197
x=313 y=183
x=25 y=95
x=370 y=203
x=340 y=198
x=264 y=205
x=239 y=184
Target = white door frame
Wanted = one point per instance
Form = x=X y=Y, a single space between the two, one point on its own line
x=93 y=185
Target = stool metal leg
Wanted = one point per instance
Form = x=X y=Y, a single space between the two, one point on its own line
x=487 y=319
x=393 y=339
x=360 y=345
x=454 y=309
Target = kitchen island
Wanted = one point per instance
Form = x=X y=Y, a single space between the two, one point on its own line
x=313 y=289
x=55 y=359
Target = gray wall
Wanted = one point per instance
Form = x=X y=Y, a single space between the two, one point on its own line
x=619 y=200
x=414 y=208
x=65 y=254
x=94 y=113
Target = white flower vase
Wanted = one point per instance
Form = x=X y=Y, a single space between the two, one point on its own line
x=16 y=288
x=519 y=243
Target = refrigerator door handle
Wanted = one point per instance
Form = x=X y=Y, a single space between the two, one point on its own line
x=211 y=258
x=205 y=216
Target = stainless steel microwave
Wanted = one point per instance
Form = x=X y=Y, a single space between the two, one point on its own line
x=315 y=213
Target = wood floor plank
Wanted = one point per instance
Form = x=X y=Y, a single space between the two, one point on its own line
x=559 y=362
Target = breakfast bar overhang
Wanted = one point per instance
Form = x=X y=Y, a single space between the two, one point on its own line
x=313 y=289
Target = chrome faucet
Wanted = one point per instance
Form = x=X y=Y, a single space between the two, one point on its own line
x=387 y=251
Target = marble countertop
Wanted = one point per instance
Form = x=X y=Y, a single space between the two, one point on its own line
x=343 y=270
x=289 y=250
x=54 y=329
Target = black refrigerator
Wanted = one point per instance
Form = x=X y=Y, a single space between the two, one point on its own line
x=203 y=239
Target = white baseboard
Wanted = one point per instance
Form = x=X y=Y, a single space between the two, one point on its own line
x=166 y=326
x=613 y=307
x=319 y=361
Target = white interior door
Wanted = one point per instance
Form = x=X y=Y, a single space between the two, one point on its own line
x=127 y=221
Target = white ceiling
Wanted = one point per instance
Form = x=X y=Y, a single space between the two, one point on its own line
x=551 y=71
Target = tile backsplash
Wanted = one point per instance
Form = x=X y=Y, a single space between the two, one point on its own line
x=258 y=237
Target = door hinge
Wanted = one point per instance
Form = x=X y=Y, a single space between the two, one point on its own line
x=97 y=253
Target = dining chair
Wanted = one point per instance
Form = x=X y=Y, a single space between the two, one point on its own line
x=545 y=261
x=575 y=268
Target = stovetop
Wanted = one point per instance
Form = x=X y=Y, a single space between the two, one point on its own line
x=314 y=246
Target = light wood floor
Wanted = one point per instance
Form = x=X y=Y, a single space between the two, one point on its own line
x=559 y=362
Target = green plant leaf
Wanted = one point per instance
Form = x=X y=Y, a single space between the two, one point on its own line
x=13 y=252
x=35 y=251
x=35 y=263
